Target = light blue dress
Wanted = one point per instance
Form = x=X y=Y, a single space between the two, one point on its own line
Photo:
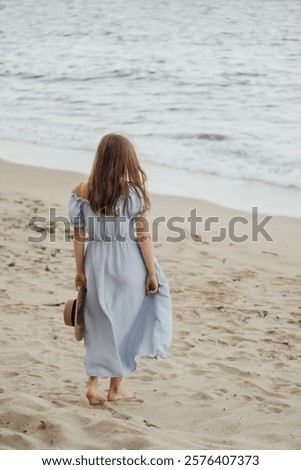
x=121 y=321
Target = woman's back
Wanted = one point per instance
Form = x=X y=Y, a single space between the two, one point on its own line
x=103 y=227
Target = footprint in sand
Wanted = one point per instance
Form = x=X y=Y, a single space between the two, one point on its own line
x=116 y=414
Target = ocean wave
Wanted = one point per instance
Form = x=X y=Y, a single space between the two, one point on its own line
x=210 y=153
x=213 y=137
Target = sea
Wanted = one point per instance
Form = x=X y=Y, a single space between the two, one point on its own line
x=206 y=86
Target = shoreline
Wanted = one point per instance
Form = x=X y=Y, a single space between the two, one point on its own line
x=239 y=195
x=282 y=229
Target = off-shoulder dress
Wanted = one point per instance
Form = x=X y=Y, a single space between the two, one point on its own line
x=121 y=321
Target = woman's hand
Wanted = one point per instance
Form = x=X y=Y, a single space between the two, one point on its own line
x=80 y=280
x=151 y=284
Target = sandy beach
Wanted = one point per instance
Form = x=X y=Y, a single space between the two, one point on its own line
x=232 y=379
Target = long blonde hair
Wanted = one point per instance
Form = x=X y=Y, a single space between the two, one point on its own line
x=115 y=168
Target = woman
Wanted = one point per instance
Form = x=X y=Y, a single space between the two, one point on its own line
x=127 y=308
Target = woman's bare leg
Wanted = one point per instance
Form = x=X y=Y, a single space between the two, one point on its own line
x=94 y=396
x=116 y=392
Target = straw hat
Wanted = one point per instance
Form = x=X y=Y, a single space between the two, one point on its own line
x=74 y=313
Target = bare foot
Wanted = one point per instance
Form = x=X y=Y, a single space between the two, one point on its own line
x=120 y=394
x=95 y=397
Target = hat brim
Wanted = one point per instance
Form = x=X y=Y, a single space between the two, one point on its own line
x=69 y=312
x=74 y=313
x=79 y=327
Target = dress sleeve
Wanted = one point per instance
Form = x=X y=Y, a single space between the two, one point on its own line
x=135 y=204
x=76 y=215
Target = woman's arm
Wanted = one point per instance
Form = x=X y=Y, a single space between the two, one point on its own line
x=144 y=240
x=79 y=254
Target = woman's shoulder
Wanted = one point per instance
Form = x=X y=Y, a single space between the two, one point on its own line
x=135 y=192
x=75 y=207
x=81 y=190
x=135 y=202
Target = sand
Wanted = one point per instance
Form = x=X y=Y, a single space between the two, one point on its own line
x=232 y=379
